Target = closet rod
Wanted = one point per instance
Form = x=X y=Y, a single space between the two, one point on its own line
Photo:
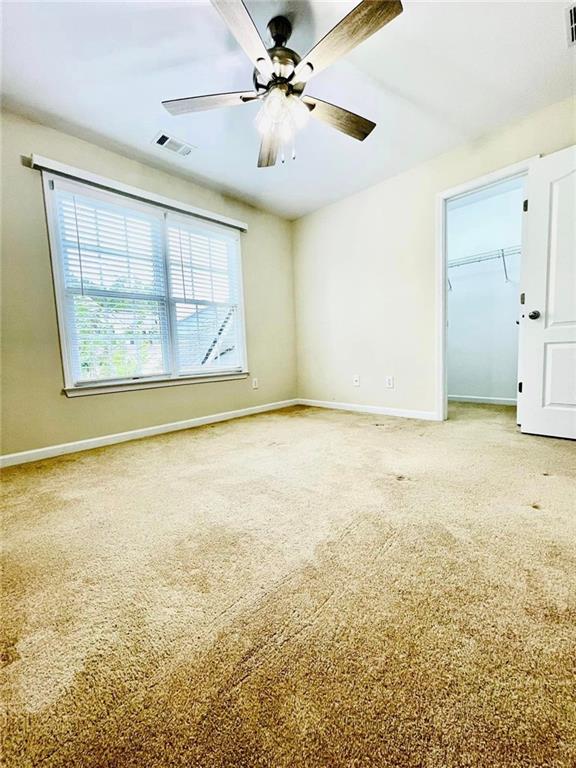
x=501 y=253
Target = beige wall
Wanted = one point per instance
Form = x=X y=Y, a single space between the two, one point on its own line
x=365 y=272
x=363 y=279
x=35 y=413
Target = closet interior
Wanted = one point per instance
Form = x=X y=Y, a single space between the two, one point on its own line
x=484 y=251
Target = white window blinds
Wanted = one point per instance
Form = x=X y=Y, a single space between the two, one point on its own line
x=204 y=296
x=143 y=293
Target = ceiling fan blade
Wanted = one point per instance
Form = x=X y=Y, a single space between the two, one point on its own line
x=347 y=122
x=240 y=23
x=268 y=150
x=363 y=21
x=213 y=101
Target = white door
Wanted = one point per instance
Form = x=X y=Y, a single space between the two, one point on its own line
x=547 y=359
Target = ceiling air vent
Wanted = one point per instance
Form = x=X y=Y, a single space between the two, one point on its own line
x=571 y=24
x=170 y=144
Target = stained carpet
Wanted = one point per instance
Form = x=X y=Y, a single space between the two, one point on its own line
x=304 y=588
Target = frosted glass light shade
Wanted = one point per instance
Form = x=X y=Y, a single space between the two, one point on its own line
x=282 y=113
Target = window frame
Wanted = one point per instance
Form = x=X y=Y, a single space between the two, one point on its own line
x=66 y=330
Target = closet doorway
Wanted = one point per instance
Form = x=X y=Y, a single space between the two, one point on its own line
x=506 y=254
x=481 y=226
x=483 y=246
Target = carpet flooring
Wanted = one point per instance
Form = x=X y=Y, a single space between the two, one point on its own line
x=305 y=588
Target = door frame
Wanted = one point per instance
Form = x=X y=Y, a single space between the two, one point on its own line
x=508 y=172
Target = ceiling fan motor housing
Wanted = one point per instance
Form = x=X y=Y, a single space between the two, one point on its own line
x=280 y=30
x=283 y=59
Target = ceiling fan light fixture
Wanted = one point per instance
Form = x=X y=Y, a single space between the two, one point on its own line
x=282 y=68
x=282 y=114
x=271 y=112
x=305 y=73
x=298 y=111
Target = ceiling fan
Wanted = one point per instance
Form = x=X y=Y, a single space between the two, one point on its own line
x=280 y=75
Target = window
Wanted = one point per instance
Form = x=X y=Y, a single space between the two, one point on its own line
x=144 y=293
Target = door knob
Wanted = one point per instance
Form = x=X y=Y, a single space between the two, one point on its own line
x=534 y=315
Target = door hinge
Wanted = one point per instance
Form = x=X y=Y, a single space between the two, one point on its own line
x=519 y=386
x=522 y=298
x=525 y=206
x=51 y=184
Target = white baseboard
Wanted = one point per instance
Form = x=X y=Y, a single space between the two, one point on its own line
x=374 y=409
x=486 y=400
x=135 y=434
x=50 y=451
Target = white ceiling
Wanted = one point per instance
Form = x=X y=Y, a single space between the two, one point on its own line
x=441 y=74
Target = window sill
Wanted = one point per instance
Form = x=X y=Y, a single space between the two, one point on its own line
x=131 y=386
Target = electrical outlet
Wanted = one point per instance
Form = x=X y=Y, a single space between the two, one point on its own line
x=254 y=383
x=389 y=382
x=356 y=380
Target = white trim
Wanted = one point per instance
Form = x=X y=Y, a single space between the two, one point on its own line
x=510 y=171
x=441 y=313
x=44 y=163
x=57 y=278
x=495 y=177
x=136 y=434
x=486 y=400
x=377 y=410
x=50 y=451
x=131 y=386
